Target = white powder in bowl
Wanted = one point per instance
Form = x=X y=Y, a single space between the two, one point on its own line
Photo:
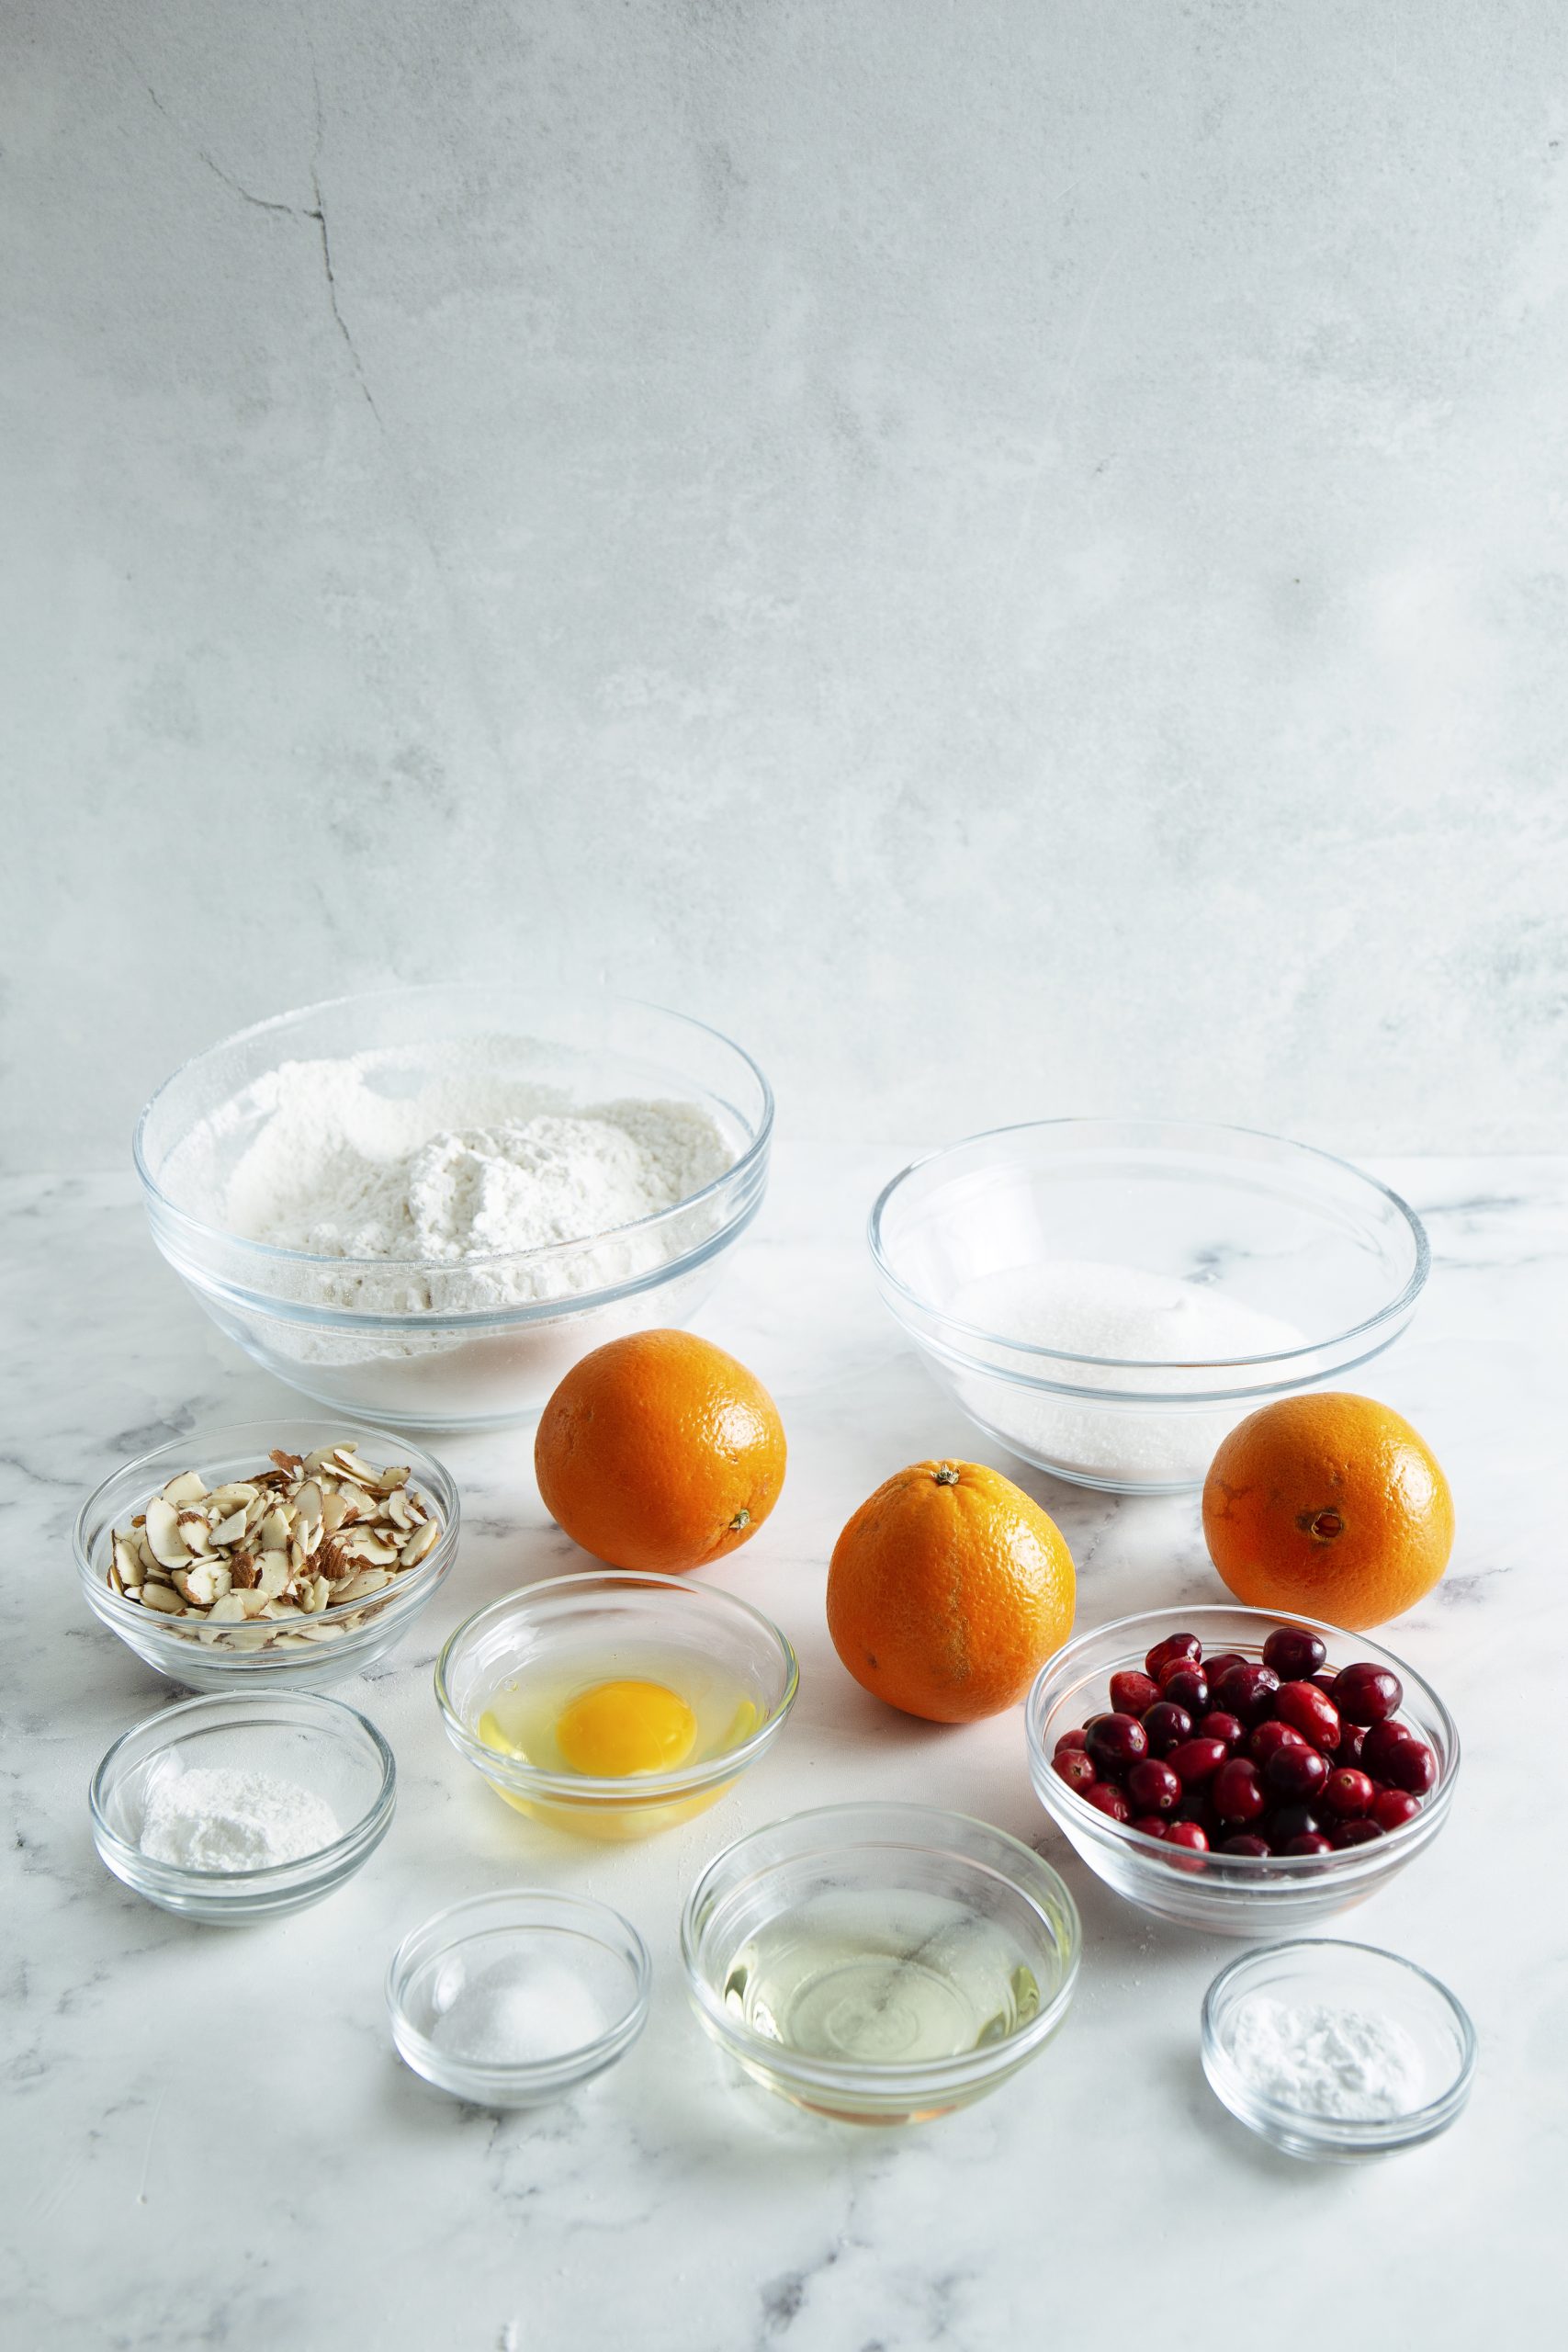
x=208 y=1818
x=524 y=2010
x=1137 y=1319
x=1347 y=2063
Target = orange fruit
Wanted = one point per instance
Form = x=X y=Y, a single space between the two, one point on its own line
x=1328 y=1506
x=948 y=1590
x=659 y=1452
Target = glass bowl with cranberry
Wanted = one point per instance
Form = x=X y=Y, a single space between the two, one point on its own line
x=1223 y=1768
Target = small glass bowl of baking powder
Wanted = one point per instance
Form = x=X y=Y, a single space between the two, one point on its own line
x=511 y=1999
x=1336 y=2051
x=230 y=1810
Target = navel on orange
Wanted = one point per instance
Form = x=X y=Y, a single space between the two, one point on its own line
x=659 y=1452
x=948 y=1590
x=1328 y=1506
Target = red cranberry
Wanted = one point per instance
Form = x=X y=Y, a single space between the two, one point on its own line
x=1133 y=1694
x=1150 y=1823
x=1070 y=1739
x=1247 y=1691
x=1367 y=1694
x=1294 y=1774
x=1391 y=1809
x=1392 y=1752
x=1324 y=1681
x=1185 y=1686
x=1166 y=1726
x=1195 y=1761
x=1288 y=1821
x=1217 y=1725
x=1173 y=1650
x=1222 y=1663
x=1187 y=1834
x=1155 y=1788
x=1115 y=1741
x=1354 y=1833
x=1246 y=1842
x=1293 y=1653
x=1352 y=1739
x=1309 y=1841
x=1307 y=1710
x=1070 y=1764
x=1107 y=1798
x=1348 y=1793
x=1262 y=1741
x=1237 y=1792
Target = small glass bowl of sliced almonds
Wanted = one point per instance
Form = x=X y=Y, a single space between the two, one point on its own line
x=285 y=1552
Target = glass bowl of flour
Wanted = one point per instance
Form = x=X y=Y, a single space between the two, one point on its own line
x=423 y=1206
x=1108 y=1297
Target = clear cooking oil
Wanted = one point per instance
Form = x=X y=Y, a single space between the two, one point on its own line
x=881 y=1978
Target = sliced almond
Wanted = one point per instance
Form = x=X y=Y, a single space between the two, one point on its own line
x=228 y=1608
x=163 y=1534
x=188 y=1487
x=420 y=1544
x=277 y=1609
x=274 y=1568
x=274 y=1531
x=195 y=1533
x=229 y=1531
x=207 y=1583
x=368 y=1580
x=128 y=1563
x=163 y=1598
x=372 y=1552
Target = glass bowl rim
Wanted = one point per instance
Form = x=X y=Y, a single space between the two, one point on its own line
x=115 y=1610
x=269 y=1253
x=1196 y=1129
x=902 y=2075
x=236 y=1884
x=1350 y=1862
x=571 y=2065
x=1343 y=2131
x=633 y=1789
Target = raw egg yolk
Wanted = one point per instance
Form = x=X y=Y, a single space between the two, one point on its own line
x=618 y=1728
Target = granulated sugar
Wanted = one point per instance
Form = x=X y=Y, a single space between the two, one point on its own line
x=1136 y=1320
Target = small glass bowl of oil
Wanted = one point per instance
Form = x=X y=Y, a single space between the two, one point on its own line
x=615 y=1704
x=880 y=1963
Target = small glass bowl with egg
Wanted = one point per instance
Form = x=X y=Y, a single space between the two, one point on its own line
x=617 y=1704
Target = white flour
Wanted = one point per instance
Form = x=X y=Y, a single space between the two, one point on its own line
x=211 y=1819
x=1322 y=2060
x=1122 y=1312
x=467 y=1170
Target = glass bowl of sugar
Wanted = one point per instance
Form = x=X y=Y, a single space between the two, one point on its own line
x=514 y=1998
x=1108 y=1298
x=423 y=1205
x=231 y=1810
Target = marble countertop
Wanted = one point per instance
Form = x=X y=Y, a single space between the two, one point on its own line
x=206 y=2139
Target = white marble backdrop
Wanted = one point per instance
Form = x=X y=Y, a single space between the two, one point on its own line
x=1011 y=554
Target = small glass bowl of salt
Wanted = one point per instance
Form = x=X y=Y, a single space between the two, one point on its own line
x=1336 y=2051
x=511 y=1999
x=230 y=1810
